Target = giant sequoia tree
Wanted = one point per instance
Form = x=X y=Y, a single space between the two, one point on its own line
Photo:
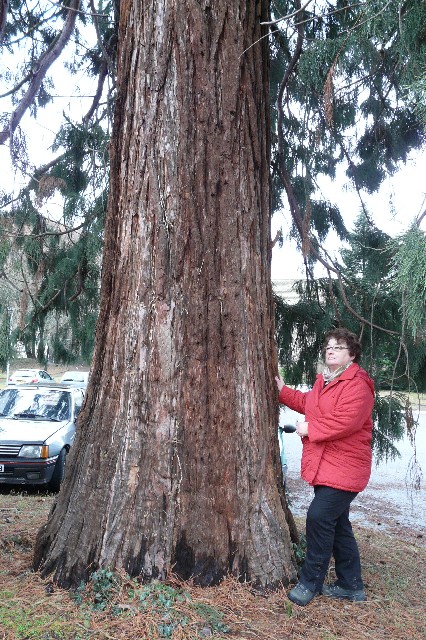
x=174 y=466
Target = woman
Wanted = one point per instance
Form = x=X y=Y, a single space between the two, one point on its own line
x=336 y=461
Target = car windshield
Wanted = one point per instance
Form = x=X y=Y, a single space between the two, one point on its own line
x=73 y=377
x=35 y=404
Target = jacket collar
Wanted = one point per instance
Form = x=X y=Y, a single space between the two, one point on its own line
x=347 y=374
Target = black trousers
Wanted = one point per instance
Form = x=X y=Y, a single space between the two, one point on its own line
x=329 y=533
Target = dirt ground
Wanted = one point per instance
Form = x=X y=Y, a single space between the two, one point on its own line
x=394 y=571
x=393 y=555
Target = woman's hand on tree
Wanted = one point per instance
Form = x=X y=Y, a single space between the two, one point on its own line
x=280 y=382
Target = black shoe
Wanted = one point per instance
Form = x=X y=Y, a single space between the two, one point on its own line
x=301 y=595
x=334 y=591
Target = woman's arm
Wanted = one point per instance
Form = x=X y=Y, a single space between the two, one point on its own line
x=292 y=398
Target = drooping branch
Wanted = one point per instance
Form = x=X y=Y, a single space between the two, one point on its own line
x=80 y=288
x=307 y=240
x=355 y=180
x=291 y=66
x=298 y=219
x=333 y=298
x=45 y=62
x=16 y=88
x=102 y=47
x=103 y=72
x=46 y=234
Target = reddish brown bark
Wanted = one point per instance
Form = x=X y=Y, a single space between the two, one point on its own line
x=175 y=463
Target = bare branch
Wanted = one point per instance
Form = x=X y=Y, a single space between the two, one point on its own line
x=420 y=218
x=103 y=71
x=278 y=238
x=356 y=315
x=48 y=233
x=354 y=178
x=41 y=69
x=289 y=15
x=4 y=6
x=80 y=11
x=80 y=285
x=12 y=284
x=333 y=298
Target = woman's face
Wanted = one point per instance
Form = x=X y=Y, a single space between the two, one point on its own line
x=336 y=358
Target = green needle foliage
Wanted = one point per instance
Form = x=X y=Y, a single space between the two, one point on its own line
x=409 y=262
x=396 y=360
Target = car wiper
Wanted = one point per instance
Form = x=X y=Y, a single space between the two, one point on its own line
x=33 y=416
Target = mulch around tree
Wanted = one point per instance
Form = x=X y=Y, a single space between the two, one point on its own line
x=118 y=607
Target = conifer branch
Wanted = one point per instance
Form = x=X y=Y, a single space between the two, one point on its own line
x=298 y=221
x=105 y=53
x=40 y=71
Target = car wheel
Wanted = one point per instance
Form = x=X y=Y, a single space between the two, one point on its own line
x=58 y=472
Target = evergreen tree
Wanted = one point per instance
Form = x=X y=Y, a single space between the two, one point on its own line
x=57 y=293
x=366 y=290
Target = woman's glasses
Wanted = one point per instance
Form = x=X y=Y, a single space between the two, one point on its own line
x=336 y=347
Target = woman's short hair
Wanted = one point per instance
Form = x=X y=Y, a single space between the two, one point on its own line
x=349 y=338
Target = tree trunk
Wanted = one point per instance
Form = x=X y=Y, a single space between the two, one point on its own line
x=175 y=465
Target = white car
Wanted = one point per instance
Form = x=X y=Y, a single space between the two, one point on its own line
x=24 y=376
x=76 y=377
x=37 y=429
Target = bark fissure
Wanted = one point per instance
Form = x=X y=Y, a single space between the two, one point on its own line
x=178 y=434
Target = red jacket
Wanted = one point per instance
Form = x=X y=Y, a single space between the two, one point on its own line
x=337 y=449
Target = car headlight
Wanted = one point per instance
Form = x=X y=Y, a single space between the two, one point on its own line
x=34 y=451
